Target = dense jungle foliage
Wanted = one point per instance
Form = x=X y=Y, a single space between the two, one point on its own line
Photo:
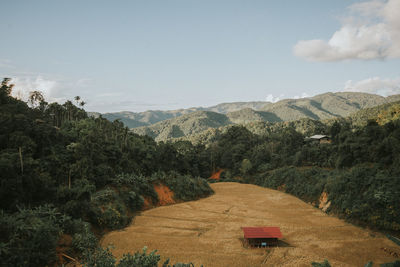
x=65 y=176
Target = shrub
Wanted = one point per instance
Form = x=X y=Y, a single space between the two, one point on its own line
x=325 y=263
x=84 y=240
x=29 y=236
x=140 y=259
x=133 y=200
x=99 y=257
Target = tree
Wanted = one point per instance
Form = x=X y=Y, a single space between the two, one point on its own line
x=335 y=130
x=6 y=88
x=77 y=99
x=35 y=98
x=245 y=166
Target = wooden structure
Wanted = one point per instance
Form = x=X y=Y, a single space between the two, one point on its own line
x=319 y=138
x=261 y=236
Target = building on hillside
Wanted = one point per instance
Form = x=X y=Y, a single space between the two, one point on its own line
x=319 y=138
x=261 y=236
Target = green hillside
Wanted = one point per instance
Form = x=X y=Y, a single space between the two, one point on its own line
x=381 y=114
x=138 y=119
x=306 y=127
x=249 y=115
x=225 y=108
x=320 y=107
x=184 y=125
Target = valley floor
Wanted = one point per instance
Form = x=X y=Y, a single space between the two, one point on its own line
x=208 y=232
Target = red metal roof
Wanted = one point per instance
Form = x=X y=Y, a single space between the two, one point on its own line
x=262 y=232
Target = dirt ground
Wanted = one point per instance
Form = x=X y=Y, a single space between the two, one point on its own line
x=208 y=231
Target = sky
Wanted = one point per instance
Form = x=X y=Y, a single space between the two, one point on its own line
x=171 y=54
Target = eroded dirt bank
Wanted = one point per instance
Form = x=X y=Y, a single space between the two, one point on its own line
x=208 y=231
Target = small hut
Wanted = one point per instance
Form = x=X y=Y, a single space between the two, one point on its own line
x=319 y=138
x=262 y=236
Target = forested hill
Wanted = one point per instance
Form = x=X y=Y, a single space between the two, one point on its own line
x=381 y=114
x=138 y=119
x=321 y=107
x=65 y=176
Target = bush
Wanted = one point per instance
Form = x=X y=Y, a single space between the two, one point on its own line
x=29 y=237
x=321 y=264
x=184 y=187
x=99 y=257
x=140 y=259
x=84 y=240
x=132 y=200
x=137 y=183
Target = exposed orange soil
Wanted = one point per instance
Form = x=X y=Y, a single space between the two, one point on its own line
x=165 y=195
x=208 y=231
x=216 y=175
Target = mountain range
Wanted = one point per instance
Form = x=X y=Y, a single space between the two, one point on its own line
x=165 y=125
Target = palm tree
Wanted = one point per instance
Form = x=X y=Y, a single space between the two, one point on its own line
x=77 y=98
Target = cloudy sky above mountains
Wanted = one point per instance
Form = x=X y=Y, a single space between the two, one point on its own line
x=140 y=55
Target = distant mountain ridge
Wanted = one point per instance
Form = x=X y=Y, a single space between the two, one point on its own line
x=147 y=118
x=166 y=125
x=381 y=114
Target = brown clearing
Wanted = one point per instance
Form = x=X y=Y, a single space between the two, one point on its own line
x=208 y=231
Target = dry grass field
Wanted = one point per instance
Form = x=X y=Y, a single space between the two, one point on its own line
x=208 y=232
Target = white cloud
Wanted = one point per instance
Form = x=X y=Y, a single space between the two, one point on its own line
x=372 y=31
x=53 y=88
x=24 y=85
x=374 y=85
x=303 y=95
x=273 y=99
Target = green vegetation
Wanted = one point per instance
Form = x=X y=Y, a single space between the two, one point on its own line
x=65 y=175
x=184 y=125
x=103 y=258
x=325 y=263
x=170 y=125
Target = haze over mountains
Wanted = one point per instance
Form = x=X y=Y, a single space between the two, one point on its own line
x=164 y=125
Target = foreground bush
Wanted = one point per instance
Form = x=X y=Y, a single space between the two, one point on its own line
x=103 y=258
x=29 y=237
